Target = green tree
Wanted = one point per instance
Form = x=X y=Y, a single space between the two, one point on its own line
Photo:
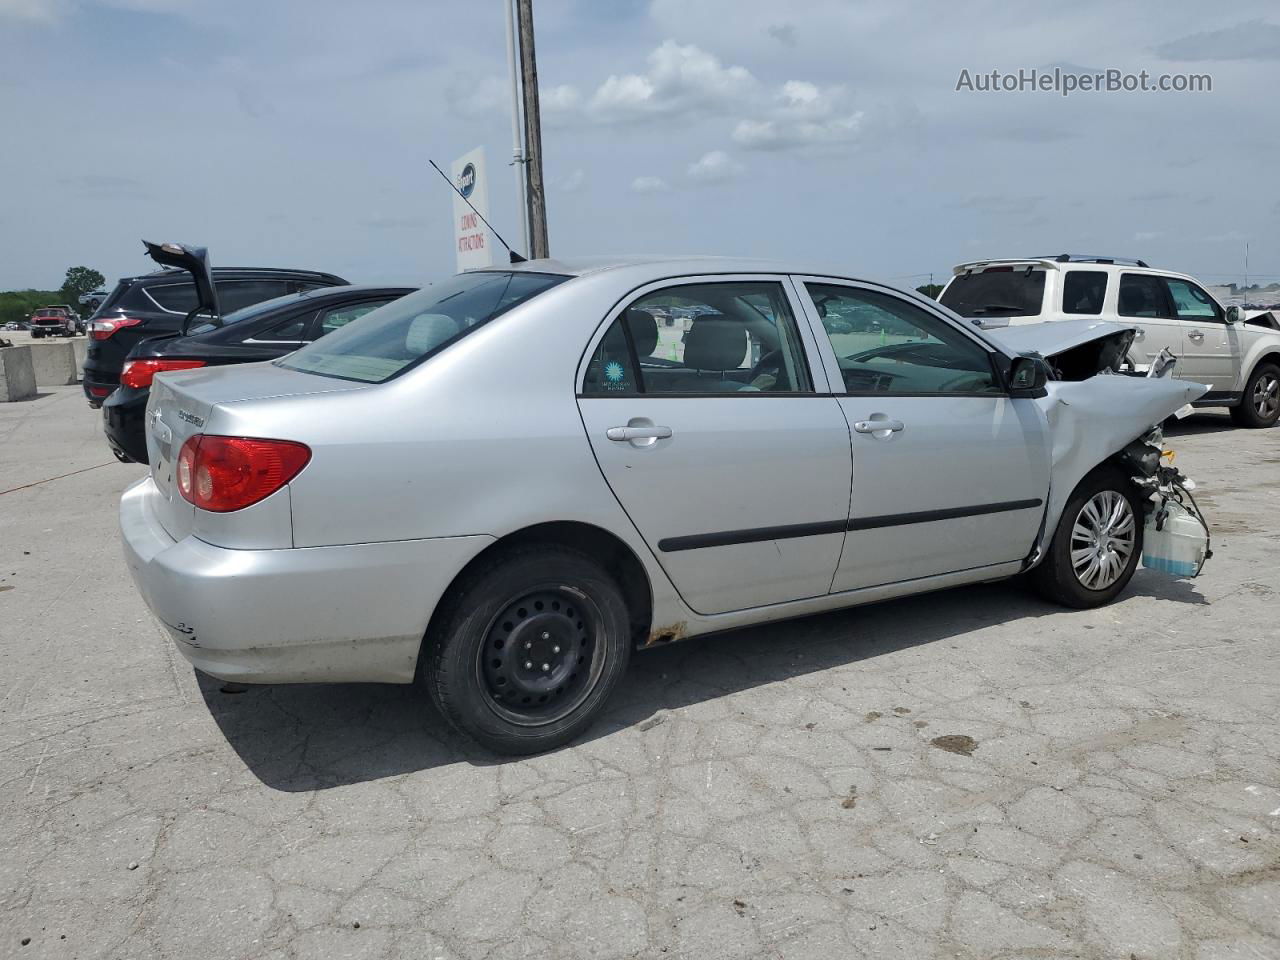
x=78 y=282
x=930 y=289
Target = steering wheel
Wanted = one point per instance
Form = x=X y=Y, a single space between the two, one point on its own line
x=769 y=363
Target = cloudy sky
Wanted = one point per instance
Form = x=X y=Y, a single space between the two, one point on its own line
x=297 y=132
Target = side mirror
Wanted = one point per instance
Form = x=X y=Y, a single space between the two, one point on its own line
x=1235 y=314
x=1027 y=377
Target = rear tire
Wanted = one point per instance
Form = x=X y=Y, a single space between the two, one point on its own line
x=1260 y=406
x=1096 y=545
x=528 y=649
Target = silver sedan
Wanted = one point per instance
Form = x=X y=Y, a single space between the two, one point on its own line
x=502 y=484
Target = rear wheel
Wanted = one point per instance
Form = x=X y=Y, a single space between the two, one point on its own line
x=529 y=649
x=1260 y=406
x=1097 y=543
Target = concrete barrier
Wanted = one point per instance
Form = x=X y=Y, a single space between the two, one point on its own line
x=81 y=348
x=54 y=363
x=17 y=378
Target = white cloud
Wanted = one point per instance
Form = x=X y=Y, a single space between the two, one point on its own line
x=680 y=80
x=572 y=181
x=40 y=11
x=1255 y=40
x=559 y=99
x=648 y=185
x=714 y=167
x=802 y=114
x=468 y=96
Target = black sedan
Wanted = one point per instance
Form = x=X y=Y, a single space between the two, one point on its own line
x=263 y=331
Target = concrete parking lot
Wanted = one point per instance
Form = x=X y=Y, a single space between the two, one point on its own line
x=971 y=774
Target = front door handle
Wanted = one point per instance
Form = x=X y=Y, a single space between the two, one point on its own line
x=621 y=434
x=1195 y=335
x=879 y=427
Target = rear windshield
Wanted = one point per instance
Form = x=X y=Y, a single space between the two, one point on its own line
x=996 y=292
x=387 y=341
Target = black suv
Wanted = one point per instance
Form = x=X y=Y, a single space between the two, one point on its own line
x=163 y=302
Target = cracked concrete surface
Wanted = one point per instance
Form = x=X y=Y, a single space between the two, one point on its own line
x=797 y=790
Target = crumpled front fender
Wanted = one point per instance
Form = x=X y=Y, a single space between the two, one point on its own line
x=1091 y=420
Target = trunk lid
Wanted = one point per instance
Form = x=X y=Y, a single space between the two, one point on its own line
x=180 y=405
x=195 y=260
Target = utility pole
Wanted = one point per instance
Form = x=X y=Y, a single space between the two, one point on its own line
x=534 y=193
x=517 y=144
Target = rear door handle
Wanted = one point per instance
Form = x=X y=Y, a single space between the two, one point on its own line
x=879 y=426
x=638 y=433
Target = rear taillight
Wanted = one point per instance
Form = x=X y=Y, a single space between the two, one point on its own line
x=100 y=391
x=230 y=473
x=105 y=327
x=140 y=373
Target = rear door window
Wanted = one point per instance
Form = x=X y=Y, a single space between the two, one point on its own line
x=724 y=338
x=996 y=292
x=290 y=330
x=1083 y=291
x=1142 y=295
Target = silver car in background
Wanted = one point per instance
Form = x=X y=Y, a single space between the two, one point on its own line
x=502 y=484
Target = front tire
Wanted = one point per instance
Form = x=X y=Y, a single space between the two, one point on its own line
x=528 y=649
x=1097 y=543
x=1260 y=406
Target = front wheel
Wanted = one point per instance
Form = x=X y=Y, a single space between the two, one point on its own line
x=1096 y=545
x=1260 y=406
x=528 y=650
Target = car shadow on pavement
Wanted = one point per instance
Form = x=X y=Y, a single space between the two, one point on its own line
x=317 y=736
x=1201 y=422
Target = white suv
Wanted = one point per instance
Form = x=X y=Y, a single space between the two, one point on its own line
x=1238 y=358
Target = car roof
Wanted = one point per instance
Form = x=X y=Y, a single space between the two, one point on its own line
x=658 y=266
x=348 y=289
x=225 y=273
x=1113 y=264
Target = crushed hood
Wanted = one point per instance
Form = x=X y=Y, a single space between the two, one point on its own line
x=1053 y=337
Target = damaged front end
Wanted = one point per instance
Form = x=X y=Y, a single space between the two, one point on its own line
x=1096 y=415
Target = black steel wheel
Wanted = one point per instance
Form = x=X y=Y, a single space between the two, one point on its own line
x=540 y=658
x=526 y=650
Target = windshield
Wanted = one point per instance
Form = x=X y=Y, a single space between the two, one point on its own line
x=996 y=292
x=248 y=313
x=387 y=341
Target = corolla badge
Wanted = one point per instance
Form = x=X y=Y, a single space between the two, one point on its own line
x=191 y=418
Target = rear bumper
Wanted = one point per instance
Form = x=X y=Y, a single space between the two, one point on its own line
x=123 y=419
x=99 y=378
x=339 y=614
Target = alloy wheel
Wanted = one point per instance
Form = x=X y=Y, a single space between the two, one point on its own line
x=1266 y=396
x=1103 y=539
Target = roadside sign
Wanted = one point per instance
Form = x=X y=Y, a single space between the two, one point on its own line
x=471 y=238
